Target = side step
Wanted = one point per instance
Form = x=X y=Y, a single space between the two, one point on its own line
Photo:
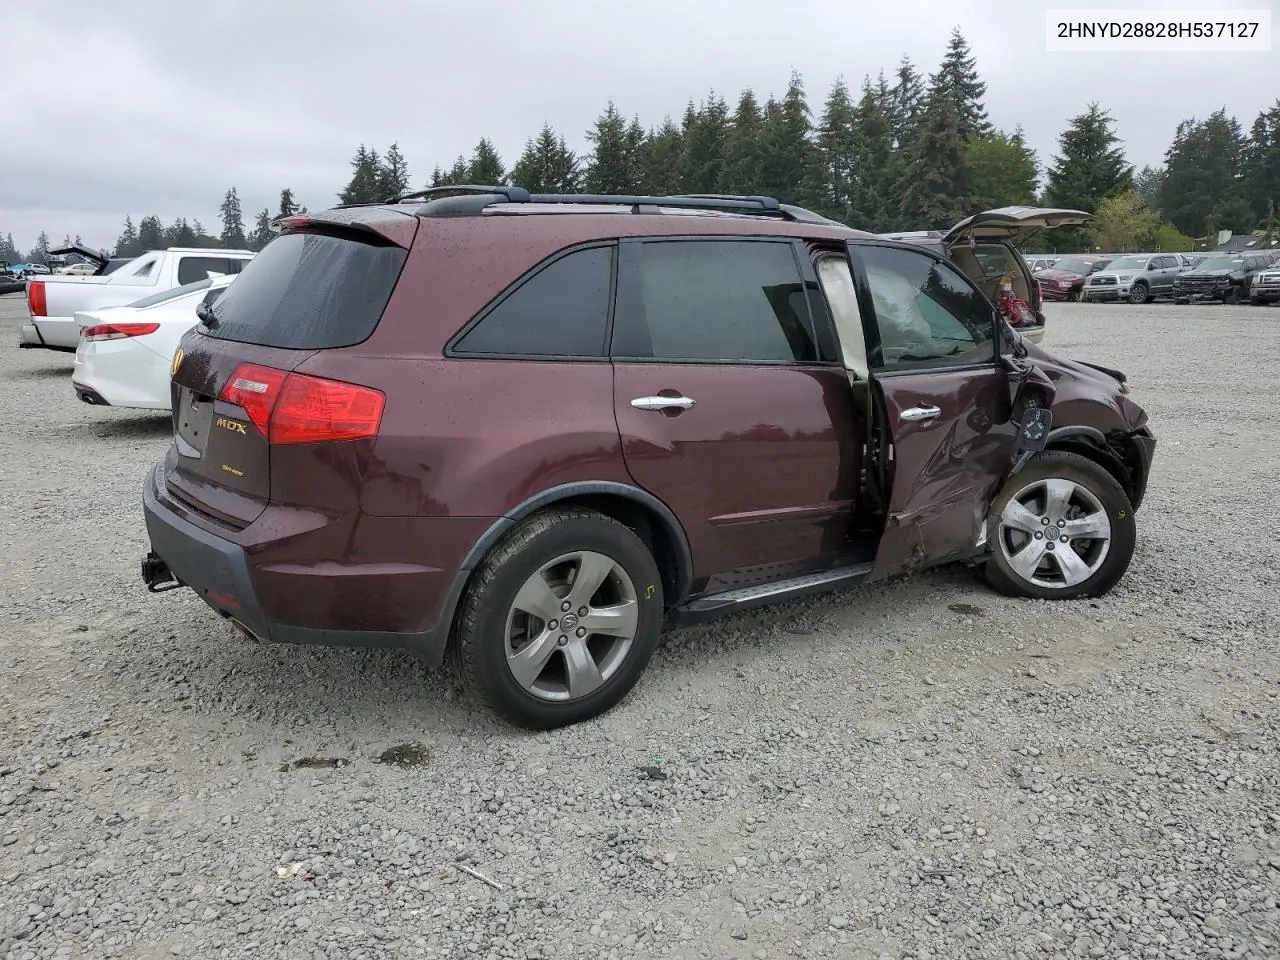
x=744 y=598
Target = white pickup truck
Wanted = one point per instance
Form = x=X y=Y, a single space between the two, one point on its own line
x=54 y=300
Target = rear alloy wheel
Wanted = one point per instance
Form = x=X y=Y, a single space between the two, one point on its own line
x=561 y=619
x=1139 y=293
x=1062 y=528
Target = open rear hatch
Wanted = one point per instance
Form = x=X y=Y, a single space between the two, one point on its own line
x=319 y=286
x=1015 y=224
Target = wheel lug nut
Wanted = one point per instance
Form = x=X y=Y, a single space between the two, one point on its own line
x=1039 y=536
x=1048 y=546
x=1062 y=523
x=562 y=641
x=552 y=625
x=582 y=631
x=582 y=611
x=1045 y=521
x=566 y=606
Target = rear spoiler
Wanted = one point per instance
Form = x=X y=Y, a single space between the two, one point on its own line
x=388 y=226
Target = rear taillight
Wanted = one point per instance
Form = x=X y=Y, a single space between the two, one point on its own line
x=36 y=301
x=118 y=331
x=296 y=408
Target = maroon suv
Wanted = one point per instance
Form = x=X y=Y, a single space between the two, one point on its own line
x=532 y=430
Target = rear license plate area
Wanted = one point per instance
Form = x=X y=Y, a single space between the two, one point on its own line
x=195 y=418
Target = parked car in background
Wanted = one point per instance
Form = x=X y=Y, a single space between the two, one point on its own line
x=125 y=353
x=1136 y=278
x=81 y=269
x=691 y=405
x=1265 y=286
x=982 y=246
x=1226 y=278
x=1036 y=264
x=1065 y=279
x=54 y=301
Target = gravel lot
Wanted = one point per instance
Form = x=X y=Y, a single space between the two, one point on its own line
x=916 y=770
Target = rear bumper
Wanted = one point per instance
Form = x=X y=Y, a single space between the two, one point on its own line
x=57 y=333
x=222 y=573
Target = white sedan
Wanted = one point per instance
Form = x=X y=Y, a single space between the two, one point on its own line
x=125 y=353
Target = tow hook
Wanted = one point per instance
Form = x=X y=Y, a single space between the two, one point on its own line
x=157 y=575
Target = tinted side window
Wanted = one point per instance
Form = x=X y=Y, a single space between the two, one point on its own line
x=191 y=269
x=727 y=300
x=926 y=313
x=560 y=311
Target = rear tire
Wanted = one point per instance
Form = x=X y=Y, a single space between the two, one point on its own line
x=1062 y=528
x=1139 y=293
x=512 y=648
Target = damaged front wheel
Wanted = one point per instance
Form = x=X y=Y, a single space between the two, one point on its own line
x=1061 y=528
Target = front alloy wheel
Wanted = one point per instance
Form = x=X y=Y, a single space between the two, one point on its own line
x=1139 y=293
x=1061 y=528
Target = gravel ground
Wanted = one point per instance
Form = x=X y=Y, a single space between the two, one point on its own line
x=916 y=770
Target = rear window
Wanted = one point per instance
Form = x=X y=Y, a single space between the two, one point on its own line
x=308 y=291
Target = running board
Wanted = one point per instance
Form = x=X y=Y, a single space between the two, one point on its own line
x=744 y=598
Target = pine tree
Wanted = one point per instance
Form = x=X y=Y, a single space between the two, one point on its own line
x=1147 y=182
x=392 y=176
x=742 y=147
x=907 y=98
x=615 y=160
x=1090 y=165
x=262 y=233
x=934 y=186
x=364 y=186
x=547 y=165
x=486 y=166
x=8 y=252
x=659 y=161
x=957 y=79
x=1204 y=176
x=702 y=160
x=40 y=252
x=788 y=170
x=180 y=234
x=127 y=243
x=1261 y=164
x=150 y=235
x=232 y=221
x=873 y=201
x=288 y=205
x=837 y=147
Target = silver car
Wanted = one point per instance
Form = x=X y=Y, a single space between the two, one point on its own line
x=1136 y=278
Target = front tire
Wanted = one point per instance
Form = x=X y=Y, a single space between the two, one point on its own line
x=1139 y=293
x=1061 y=528
x=560 y=620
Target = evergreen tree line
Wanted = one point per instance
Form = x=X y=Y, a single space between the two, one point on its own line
x=913 y=152
x=910 y=152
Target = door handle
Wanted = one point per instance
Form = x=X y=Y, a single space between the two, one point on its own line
x=923 y=412
x=662 y=403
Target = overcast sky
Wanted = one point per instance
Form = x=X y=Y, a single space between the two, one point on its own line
x=156 y=106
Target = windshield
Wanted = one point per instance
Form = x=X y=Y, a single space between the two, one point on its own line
x=172 y=294
x=1222 y=263
x=1128 y=263
x=1072 y=265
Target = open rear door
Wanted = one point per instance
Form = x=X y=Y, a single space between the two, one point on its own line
x=945 y=398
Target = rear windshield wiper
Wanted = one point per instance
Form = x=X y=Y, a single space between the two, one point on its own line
x=205 y=314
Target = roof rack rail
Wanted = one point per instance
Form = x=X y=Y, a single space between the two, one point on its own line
x=468 y=200
x=510 y=194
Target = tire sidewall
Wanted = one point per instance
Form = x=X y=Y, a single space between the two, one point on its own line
x=488 y=640
x=1083 y=471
